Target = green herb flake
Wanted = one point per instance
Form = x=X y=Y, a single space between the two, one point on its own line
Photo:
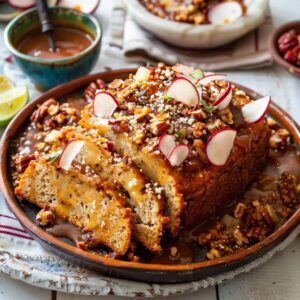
x=197 y=74
x=166 y=97
x=55 y=156
x=180 y=136
x=206 y=107
x=164 y=110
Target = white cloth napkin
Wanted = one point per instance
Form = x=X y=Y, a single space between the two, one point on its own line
x=137 y=44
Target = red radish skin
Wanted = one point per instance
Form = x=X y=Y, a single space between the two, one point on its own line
x=23 y=4
x=225 y=98
x=183 y=90
x=166 y=144
x=219 y=145
x=254 y=111
x=104 y=104
x=209 y=78
x=224 y=13
x=179 y=155
x=69 y=153
x=86 y=6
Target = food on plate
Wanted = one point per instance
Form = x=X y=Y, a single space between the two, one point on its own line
x=149 y=166
x=197 y=12
x=164 y=103
x=289 y=47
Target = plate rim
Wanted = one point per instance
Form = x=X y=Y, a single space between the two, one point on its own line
x=48 y=239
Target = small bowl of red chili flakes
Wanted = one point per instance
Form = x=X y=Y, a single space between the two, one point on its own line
x=284 y=45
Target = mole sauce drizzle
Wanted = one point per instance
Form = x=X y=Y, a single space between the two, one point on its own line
x=69 y=42
x=184 y=248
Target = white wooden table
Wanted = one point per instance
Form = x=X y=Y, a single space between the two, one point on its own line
x=278 y=278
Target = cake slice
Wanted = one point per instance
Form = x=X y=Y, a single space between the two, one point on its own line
x=139 y=112
x=142 y=196
x=90 y=204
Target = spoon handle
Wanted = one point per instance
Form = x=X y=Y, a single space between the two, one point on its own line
x=42 y=7
x=47 y=26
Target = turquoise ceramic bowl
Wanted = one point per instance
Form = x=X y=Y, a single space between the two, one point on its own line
x=48 y=73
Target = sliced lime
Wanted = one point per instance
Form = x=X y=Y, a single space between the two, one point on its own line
x=11 y=101
x=5 y=84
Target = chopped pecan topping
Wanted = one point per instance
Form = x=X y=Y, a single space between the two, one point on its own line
x=158 y=128
x=90 y=91
x=198 y=129
x=22 y=161
x=142 y=112
x=139 y=137
x=226 y=116
x=280 y=139
x=42 y=110
x=239 y=211
x=199 y=146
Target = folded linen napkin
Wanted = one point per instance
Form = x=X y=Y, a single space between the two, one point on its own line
x=137 y=44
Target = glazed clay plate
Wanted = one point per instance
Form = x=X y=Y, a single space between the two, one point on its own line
x=124 y=269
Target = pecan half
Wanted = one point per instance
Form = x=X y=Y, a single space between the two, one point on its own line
x=42 y=110
x=157 y=128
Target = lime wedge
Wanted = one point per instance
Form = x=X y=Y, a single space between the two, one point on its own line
x=11 y=101
x=5 y=84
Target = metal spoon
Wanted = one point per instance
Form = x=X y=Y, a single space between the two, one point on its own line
x=47 y=26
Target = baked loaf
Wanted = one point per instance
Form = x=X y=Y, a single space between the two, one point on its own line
x=195 y=189
x=166 y=147
x=93 y=206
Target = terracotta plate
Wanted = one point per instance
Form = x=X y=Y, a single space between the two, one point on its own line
x=129 y=270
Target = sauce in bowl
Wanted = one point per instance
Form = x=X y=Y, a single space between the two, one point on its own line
x=69 y=42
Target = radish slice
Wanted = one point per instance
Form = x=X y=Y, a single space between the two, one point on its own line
x=23 y=4
x=182 y=69
x=256 y=110
x=86 y=6
x=69 y=153
x=224 y=13
x=183 y=90
x=224 y=99
x=187 y=72
x=179 y=155
x=166 y=144
x=211 y=77
x=219 y=146
x=142 y=74
x=104 y=104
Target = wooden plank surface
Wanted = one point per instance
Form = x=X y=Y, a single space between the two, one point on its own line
x=17 y=290
x=206 y=294
x=278 y=279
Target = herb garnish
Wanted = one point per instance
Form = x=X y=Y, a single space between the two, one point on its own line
x=55 y=156
x=164 y=110
x=197 y=74
x=180 y=136
x=208 y=108
x=168 y=98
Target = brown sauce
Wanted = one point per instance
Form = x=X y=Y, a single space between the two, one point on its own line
x=69 y=42
x=67 y=230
